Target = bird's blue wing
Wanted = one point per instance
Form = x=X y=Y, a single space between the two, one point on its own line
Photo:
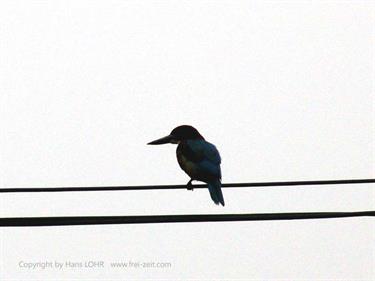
x=207 y=157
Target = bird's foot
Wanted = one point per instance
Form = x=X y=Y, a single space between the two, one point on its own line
x=189 y=186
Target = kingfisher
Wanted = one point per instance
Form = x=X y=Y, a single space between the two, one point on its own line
x=198 y=158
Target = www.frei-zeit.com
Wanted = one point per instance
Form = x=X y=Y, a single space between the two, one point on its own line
x=92 y=264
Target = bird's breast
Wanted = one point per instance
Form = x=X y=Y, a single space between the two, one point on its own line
x=186 y=164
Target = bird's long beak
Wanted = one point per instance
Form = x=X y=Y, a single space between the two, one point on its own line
x=167 y=139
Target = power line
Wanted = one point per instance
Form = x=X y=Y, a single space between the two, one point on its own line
x=99 y=220
x=155 y=187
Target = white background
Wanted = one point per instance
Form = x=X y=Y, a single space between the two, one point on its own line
x=284 y=89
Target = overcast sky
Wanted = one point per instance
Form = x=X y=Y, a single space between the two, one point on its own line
x=284 y=89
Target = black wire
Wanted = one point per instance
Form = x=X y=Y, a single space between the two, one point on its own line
x=97 y=220
x=154 y=187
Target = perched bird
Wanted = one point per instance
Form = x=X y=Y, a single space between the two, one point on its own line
x=197 y=157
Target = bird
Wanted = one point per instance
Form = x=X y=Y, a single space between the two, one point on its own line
x=198 y=158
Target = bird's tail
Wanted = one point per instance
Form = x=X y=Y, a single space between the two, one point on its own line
x=215 y=191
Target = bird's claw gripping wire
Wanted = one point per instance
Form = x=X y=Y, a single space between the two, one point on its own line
x=189 y=186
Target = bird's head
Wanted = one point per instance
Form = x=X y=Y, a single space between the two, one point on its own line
x=178 y=134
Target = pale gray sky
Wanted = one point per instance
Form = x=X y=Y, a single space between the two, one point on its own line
x=285 y=89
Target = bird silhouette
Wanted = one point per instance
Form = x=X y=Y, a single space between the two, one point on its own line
x=197 y=157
